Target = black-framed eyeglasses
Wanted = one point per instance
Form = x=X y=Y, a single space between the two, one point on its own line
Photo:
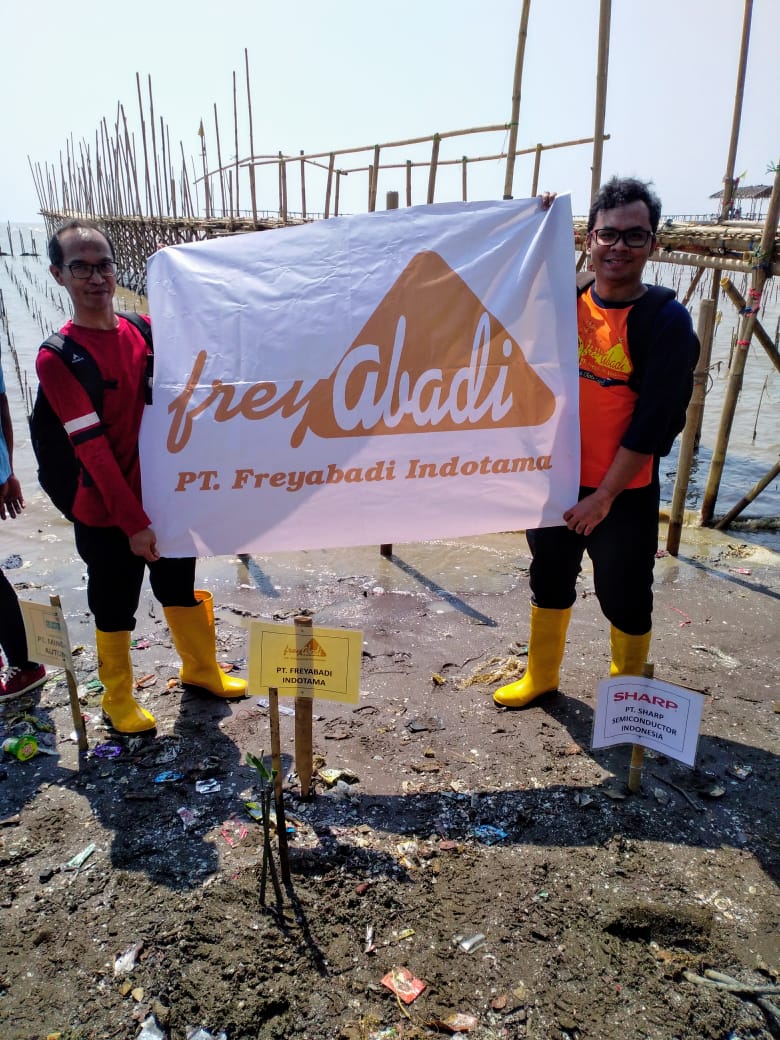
x=635 y=237
x=82 y=270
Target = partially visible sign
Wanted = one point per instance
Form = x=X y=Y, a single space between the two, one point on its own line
x=47 y=634
x=303 y=661
x=650 y=712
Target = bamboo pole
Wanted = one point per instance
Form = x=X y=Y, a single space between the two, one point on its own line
x=282 y=188
x=754 y=492
x=537 y=163
x=759 y=279
x=219 y=161
x=251 y=140
x=473 y=158
x=705 y=326
x=517 y=81
x=464 y=179
x=432 y=170
x=157 y=192
x=304 y=765
x=303 y=186
x=739 y=93
x=235 y=145
x=602 y=69
x=329 y=184
x=692 y=287
x=206 y=184
x=759 y=331
x=147 y=182
x=338 y=187
x=373 y=181
x=408 y=182
x=165 y=176
x=714 y=263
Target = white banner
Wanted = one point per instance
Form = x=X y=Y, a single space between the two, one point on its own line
x=391 y=377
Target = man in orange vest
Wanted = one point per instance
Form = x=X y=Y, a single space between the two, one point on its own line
x=637 y=353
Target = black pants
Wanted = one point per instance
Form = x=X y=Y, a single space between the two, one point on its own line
x=115 y=575
x=12 y=638
x=622 y=548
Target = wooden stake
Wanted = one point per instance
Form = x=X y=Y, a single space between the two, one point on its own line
x=739 y=93
x=276 y=763
x=75 y=707
x=537 y=164
x=304 y=753
x=605 y=13
x=706 y=324
x=251 y=141
x=759 y=331
x=759 y=279
x=637 y=751
x=516 y=91
x=329 y=185
x=432 y=171
x=235 y=145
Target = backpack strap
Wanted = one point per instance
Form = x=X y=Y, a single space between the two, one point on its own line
x=145 y=328
x=83 y=366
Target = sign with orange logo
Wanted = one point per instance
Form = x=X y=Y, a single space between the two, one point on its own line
x=305 y=662
x=390 y=377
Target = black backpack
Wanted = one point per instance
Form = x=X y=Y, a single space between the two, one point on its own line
x=58 y=467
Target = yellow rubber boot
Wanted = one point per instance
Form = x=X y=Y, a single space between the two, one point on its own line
x=195 y=638
x=116 y=673
x=629 y=653
x=545 y=653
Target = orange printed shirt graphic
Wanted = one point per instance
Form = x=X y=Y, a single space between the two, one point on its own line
x=606 y=400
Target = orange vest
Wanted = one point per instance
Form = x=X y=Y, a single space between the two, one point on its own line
x=606 y=400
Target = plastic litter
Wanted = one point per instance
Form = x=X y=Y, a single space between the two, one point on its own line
x=107 y=750
x=233 y=831
x=469 y=943
x=80 y=858
x=126 y=961
x=404 y=984
x=207 y=786
x=187 y=817
x=199 y=1033
x=458 y=1022
x=488 y=835
x=168 y=777
x=283 y=709
x=23 y=748
x=150 y=1030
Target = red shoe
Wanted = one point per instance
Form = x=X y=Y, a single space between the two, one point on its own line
x=21 y=680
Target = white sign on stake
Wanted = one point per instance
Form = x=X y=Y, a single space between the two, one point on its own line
x=649 y=712
x=47 y=634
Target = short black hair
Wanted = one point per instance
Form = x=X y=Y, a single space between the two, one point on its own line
x=621 y=191
x=56 y=255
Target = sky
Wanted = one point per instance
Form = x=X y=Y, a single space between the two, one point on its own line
x=350 y=72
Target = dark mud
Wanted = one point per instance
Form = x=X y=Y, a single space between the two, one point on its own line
x=596 y=911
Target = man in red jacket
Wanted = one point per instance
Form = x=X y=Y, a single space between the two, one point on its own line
x=114 y=535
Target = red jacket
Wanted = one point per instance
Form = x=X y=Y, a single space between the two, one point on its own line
x=108 y=450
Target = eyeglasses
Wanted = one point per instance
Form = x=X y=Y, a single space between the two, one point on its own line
x=82 y=270
x=635 y=237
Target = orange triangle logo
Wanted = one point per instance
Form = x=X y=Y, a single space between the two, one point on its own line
x=430 y=358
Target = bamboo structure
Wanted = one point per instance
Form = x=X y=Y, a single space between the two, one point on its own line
x=135 y=186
